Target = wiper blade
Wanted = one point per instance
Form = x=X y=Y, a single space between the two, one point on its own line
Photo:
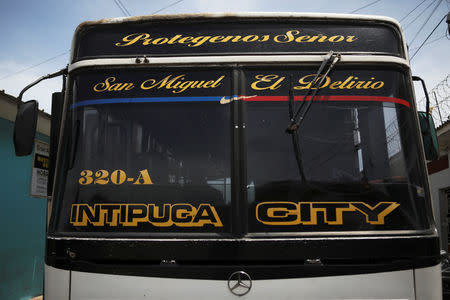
x=297 y=118
x=331 y=59
x=294 y=135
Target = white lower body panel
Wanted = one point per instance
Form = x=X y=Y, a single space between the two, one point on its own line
x=386 y=285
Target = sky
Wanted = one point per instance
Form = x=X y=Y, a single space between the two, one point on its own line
x=36 y=35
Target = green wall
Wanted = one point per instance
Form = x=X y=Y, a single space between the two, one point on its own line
x=22 y=223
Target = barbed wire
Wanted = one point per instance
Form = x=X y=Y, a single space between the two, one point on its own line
x=439 y=102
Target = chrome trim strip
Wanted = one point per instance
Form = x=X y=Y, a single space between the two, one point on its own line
x=275 y=15
x=393 y=235
x=235 y=59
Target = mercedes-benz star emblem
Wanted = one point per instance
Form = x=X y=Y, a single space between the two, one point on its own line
x=239 y=283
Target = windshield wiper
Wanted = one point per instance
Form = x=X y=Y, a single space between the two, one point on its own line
x=298 y=116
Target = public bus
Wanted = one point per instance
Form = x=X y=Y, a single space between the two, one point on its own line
x=253 y=155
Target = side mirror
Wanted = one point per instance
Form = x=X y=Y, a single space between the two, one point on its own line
x=429 y=136
x=25 y=127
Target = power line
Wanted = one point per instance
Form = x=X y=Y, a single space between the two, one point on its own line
x=166 y=7
x=371 y=3
x=412 y=10
x=122 y=8
x=124 y=11
x=420 y=14
x=430 y=42
x=426 y=21
x=420 y=47
x=33 y=66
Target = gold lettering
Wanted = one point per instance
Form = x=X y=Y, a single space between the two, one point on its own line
x=359 y=85
x=217 y=82
x=322 y=38
x=198 y=84
x=264 y=38
x=113 y=215
x=178 y=84
x=162 y=83
x=351 y=84
x=173 y=39
x=185 y=40
x=236 y=39
x=250 y=38
x=208 y=84
x=375 y=214
x=367 y=85
x=286 y=38
x=336 y=38
x=160 y=41
x=158 y=216
x=335 y=85
x=342 y=86
x=306 y=213
x=278 y=213
x=267 y=79
x=313 y=38
x=103 y=86
x=302 y=38
x=109 y=86
x=198 y=41
x=216 y=39
x=147 y=42
x=305 y=84
x=183 y=86
x=144 y=178
x=206 y=214
x=377 y=85
x=133 y=38
x=151 y=81
x=138 y=213
x=227 y=38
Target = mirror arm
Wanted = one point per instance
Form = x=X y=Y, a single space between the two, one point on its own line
x=417 y=78
x=52 y=75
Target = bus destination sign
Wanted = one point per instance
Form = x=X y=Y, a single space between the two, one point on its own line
x=223 y=38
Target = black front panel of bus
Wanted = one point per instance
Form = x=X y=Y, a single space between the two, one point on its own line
x=262 y=259
x=234 y=37
x=195 y=166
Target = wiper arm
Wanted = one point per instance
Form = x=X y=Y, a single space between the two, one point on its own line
x=331 y=59
x=294 y=134
x=297 y=118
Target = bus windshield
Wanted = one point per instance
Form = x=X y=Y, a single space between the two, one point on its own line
x=152 y=152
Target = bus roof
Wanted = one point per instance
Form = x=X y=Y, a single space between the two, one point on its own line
x=245 y=15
